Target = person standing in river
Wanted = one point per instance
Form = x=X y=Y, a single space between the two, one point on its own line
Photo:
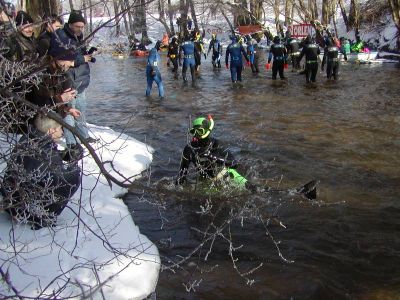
x=278 y=51
x=187 y=49
x=173 y=53
x=152 y=71
x=331 y=58
x=310 y=51
x=235 y=51
x=215 y=46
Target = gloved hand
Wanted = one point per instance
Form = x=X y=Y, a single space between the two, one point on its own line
x=168 y=63
x=205 y=56
x=267 y=66
x=248 y=63
x=153 y=73
x=227 y=66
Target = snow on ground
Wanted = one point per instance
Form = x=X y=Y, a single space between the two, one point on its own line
x=75 y=248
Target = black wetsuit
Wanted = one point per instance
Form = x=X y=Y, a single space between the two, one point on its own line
x=173 y=53
x=331 y=58
x=279 y=52
x=293 y=47
x=206 y=155
x=311 y=51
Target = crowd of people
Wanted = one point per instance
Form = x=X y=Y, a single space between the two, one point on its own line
x=61 y=49
x=186 y=50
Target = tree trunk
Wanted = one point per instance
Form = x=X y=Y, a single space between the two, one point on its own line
x=117 y=25
x=171 y=17
x=395 y=8
x=344 y=15
x=193 y=13
x=143 y=20
x=90 y=16
x=288 y=12
x=38 y=8
x=276 y=13
x=161 y=12
x=256 y=9
x=127 y=26
x=183 y=8
x=354 y=17
x=130 y=17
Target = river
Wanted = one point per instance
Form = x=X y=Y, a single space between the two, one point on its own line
x=345 y=134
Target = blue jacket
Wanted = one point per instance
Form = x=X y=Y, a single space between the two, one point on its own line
x=235 y=50
x=80 y=74
x=152 y=63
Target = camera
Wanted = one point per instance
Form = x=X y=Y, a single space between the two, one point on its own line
x=91 y=51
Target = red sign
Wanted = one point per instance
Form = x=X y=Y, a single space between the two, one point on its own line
x=249 y=29
x=301 y=30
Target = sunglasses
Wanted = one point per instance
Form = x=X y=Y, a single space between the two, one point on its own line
x=199 y=131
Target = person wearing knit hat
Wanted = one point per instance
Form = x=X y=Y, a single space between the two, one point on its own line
x=75 y=17
x=23 y=44
x=71 y=39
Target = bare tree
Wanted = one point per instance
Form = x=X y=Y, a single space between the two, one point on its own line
x=395 y=9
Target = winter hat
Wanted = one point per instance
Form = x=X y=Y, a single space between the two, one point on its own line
x=23 y=18
x=75 y=17
x=60 y=47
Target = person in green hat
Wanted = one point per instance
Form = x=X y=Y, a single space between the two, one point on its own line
x=210 y=159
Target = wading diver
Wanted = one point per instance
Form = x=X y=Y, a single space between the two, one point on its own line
x=152 y=71
x=218 y=165
x=235 y=51
x=187 y=52
x=216 y=48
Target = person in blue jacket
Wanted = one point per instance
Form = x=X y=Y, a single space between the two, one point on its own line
x=152 y=71
x=188 y=49
x=216 y=48
x=235 y=51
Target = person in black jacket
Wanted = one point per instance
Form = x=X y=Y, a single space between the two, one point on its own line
x=70 y=38
x=293 y=48
x=331 y=58
x=211 y=160
x=310 y=51
x=173 y=54
x=21 y=46
x=52 y=24
x=278 y=51
x=38 y=184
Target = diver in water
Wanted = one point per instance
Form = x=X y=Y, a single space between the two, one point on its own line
x=278 y=51
x=311 y=51
x=216 y=48
x=210 y=159
x=152 y=71
x=293 y=48
x=173 y=52
x=217 y=164
x=253 y=56
x=188 y=50
x=331 y=58
x=235 y=51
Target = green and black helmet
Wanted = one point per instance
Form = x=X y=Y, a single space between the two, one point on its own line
x=201 y=127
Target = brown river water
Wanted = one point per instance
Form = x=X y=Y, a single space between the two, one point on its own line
x=345 y=134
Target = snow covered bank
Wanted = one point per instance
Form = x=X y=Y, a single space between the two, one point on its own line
x=102 y=245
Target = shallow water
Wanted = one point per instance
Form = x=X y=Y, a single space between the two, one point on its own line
x=345 y=134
